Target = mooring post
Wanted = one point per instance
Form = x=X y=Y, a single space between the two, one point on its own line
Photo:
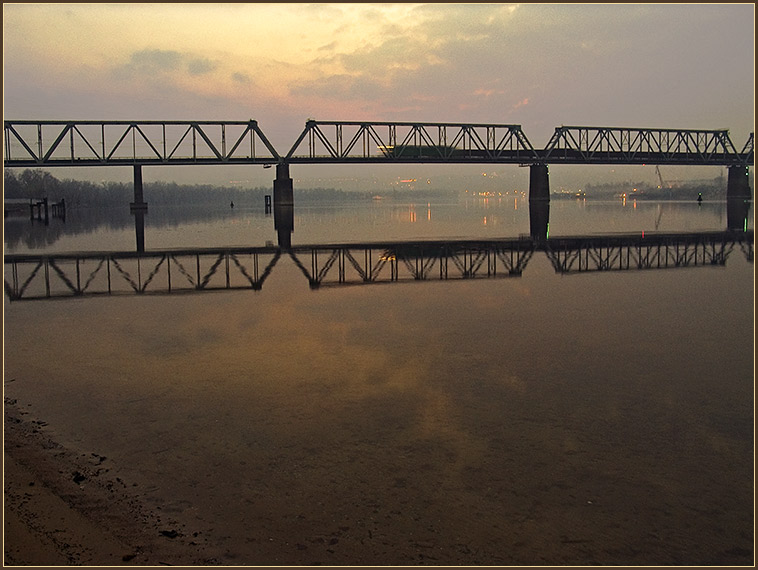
x=539 y=184
x=139 y=202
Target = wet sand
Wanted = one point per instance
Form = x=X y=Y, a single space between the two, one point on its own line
x=68 y=508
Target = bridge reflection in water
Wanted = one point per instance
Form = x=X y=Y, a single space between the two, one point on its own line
x=194 y=270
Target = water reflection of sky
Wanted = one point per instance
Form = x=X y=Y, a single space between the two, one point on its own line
x=510 y=415
x=375 y=220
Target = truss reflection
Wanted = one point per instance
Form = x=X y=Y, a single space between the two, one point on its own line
x=195 y=270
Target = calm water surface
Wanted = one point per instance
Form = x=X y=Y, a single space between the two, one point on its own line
x=595 y=418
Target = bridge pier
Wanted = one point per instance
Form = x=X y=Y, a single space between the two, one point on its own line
x=539 y=219
x=539 y=183
x=284 y=205
x=139 y=203
x=139 y=228
x=283 y=185
x=738 y=185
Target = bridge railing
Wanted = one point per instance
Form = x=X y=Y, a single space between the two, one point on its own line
x=345 y=141
x=88 y=143
x=633 y=146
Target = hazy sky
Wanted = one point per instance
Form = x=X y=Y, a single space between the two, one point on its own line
x=537 y=65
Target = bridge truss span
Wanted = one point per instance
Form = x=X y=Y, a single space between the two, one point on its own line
x=114 y=273
x=30 y=277
x=422 y=261
x=636 y=252
x=609 y=145
x=350 y=142
x=103 y=143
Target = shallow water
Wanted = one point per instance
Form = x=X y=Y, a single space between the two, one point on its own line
x=593 y=418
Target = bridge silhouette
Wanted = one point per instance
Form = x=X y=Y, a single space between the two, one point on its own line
x=152 y=143
x=76 y=275
x=114 y=143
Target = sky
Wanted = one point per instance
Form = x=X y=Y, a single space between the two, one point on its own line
x=536 y=65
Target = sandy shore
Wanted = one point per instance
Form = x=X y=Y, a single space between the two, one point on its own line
x=64 y=508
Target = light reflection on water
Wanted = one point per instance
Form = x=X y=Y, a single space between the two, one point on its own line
x=375 y=220
x=602 y=418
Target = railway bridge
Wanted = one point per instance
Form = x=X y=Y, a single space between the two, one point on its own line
x=137 y=144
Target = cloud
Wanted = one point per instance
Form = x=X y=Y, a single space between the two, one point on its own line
x=429 y=56
x=534 y=64
x=328 y=47
x=201 y=66
x=522 y=103
x=241 y=78
x=151 y=62
x=152 y=59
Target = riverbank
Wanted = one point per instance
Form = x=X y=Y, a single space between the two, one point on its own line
x=63 y=507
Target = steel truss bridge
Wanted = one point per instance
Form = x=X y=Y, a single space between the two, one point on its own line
x=114 y=143
x=30 y=277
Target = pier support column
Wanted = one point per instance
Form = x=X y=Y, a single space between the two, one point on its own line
x=539 y=183
x=737 y=214
x=738 y=185
x=139 y=202
x=283 y=185
x=284 y=206
x=539 y=219
x=139 y=228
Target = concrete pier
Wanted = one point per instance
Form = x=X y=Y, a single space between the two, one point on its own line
x=139 y=202
x=139 y=227
x=284 y=206
x=539 y=183
x=738 y=185
x=283 y=186
x=539 y=219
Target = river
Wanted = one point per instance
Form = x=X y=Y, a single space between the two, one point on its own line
x=586 y=417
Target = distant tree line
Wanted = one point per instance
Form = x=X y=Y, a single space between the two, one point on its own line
x=709 y=189
x=41 y=184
